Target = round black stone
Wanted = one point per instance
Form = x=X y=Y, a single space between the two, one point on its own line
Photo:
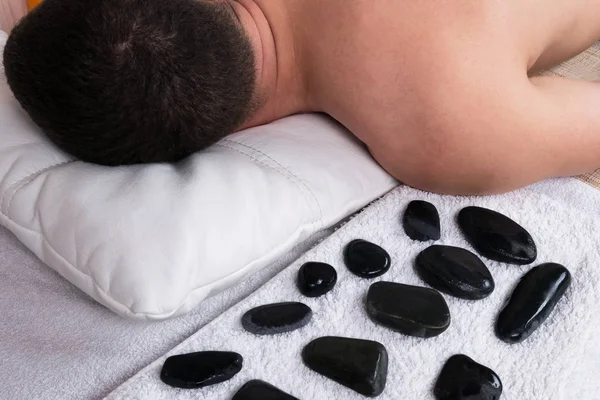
x=421 y=221
x=204 y=368
x=411 y=310
x=276 y=318
x=455 y=271
x=360 y=365
x=496 y=236
x=532 y=301
x=464 y=379
x=315 y=279
x=366 y=259
x=259 y=390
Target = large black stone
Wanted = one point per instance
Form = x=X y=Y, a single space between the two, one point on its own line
x=366 y=259
x=464 y=379
x=411 y=310
x=259 y=390
x=532 y=301
x=204 y=368
x=421 y=221
x=455 y=271
x=276 y=318
x=496 y=236
x=358 y=364
x=315 y=279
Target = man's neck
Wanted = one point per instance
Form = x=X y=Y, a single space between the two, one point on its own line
x=280 y=58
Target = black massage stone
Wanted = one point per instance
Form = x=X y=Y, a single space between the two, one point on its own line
x=315 y=279
x=455 y=271
x=366 y=259
x=276 y=318
x=496 y=236
x=197 y=370
x=421 y=221
x=464 y=379
x=532 y=301
x=259 y=390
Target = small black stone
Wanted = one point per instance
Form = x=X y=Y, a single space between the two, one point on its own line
x=259 y=390
x=532 y=301
x=421 y=221
x=276 y=318
x=360 y=365
x=204 y=368
x=496 y=236
x=366 y=259
x=315 y=279
x=411 y=310
x=455 y=271
x=464 y=379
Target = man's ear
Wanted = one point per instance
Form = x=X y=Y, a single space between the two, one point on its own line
x=11 y=11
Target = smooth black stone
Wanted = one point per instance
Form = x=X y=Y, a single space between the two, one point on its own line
x=259 y=390
x=464 y=379
x=276 y=318
x=421 y=221
x=411 y=310
x=455 y=271
x=366 y=259
x=204 y=368
x=496 y=236
x=360 y=365
x=532 y=301
x=315 y=279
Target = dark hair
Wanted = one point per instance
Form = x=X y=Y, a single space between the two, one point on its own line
x=132 y=81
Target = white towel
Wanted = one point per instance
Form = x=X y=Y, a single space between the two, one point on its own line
x=561 y=360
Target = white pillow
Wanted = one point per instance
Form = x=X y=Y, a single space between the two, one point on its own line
x=153 y=241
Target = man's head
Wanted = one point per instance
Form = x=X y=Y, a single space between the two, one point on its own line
x=132 y=81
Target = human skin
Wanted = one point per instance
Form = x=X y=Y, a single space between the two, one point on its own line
x=443 y=93
x=10 y=12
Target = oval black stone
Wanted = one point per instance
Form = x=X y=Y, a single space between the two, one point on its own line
x=315 y=279
x=259 y=390
x=204 y=368
x=360 y=365
x=464 y=379
x=276 y=318
x=421 y=221
x=366 y=259
x=455 y=271
x=411 y=310
x=532 y=301
x=496 y=236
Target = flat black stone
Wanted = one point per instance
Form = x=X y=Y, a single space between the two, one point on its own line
x=455 y=271
x=276 y=318
x=496 y=236
x=360 y=365
x=259 y=390
x=532 y=301
x=411 y=310
x=464 y=379
x=315 y=279
x=366 y=259
x=421 y=221
x=204 y=368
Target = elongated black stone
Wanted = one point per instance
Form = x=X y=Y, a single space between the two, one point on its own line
x=315 y=279
x=204 y=368
x=464 y=379
x=455 y=271
x=259 y=390
x=532 y=301
x=496 y=236
x=421 y=221
x=366 y=259
x=411 y=310
x=276 y=318
x=358 y=364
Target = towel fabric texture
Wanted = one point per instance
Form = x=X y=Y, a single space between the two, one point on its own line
x=560 y=361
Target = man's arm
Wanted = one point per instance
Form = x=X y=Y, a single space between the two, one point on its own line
x=10 y=12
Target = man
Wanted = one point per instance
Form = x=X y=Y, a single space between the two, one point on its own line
x=441 y=91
